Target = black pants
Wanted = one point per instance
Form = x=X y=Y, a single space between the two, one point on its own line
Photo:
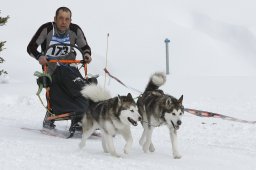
x=65 y=96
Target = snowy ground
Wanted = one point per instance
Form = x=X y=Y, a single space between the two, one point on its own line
x=205 y=143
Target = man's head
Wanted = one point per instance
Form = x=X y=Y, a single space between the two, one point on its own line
x=63 y=19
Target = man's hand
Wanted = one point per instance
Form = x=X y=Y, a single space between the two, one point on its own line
x=87 y=58
x=42 y=60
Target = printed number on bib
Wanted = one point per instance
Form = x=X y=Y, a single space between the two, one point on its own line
x=60 y=50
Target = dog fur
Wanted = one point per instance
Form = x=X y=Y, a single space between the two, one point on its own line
x=156 y=109
x=111 y=116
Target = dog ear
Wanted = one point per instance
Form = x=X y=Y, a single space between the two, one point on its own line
x=118 y=100
x=168 y=102
x=117 y=103
x=180 y=100
x=129 y=95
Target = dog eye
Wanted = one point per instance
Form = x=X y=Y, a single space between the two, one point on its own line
x=173 y=114
x=180 y=113
x=132 y=110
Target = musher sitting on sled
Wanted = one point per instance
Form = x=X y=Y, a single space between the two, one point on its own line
x=66 y=79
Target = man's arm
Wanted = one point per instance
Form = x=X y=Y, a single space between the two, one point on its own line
x=82 y=43
x=38 y=39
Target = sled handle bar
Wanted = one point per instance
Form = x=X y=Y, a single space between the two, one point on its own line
x=67 y=61
x=52 y=59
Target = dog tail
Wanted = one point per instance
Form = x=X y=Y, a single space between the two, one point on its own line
x=155 y=81
x=95 y=93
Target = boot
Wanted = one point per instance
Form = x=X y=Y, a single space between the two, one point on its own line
x=76 y=125
x=48 y=124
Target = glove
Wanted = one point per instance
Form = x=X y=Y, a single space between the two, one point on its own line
x=87 y=58
x=42 y=60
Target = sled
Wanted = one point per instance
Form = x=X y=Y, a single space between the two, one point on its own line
x=45 y=79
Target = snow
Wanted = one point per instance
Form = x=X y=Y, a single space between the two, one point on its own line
x=212 y=64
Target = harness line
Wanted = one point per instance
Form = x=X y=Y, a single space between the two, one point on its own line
x=119 y=81
x=216 y=115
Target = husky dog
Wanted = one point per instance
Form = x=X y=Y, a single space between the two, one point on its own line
x=111 y=116
x=158 y=108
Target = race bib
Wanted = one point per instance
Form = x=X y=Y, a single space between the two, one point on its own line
x=60 y=49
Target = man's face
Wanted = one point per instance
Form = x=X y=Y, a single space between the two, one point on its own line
x=62 y=20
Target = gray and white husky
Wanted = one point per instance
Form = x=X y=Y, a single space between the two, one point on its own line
x=111 y=116
x=158 y=108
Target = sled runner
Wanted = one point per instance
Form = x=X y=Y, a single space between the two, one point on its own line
x=63 y=103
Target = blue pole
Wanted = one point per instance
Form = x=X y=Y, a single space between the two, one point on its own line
x=167 y=54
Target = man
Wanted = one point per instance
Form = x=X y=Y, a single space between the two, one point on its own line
x=67 y=81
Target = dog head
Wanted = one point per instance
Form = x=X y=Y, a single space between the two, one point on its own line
x=173 y=111
x=128 y=112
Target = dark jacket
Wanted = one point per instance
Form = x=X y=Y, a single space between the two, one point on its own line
x=44 y=35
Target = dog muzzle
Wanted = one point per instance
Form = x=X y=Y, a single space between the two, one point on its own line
x=133 y=122
x=177 y=126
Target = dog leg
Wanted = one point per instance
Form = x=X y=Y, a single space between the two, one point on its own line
x=127 y=135
x=143 y=139
x=111 y=147
x=148 y=139
x=88 y=129
x=104 y=144
x=173 y=135
x=143 y=136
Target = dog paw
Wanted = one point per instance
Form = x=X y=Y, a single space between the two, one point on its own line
x=81 y=145
x=127 y=148
x=151 y=148
x=141 y=142
x=126 y=151
x=116 y=155
x=177 y=156
x=145 y=148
